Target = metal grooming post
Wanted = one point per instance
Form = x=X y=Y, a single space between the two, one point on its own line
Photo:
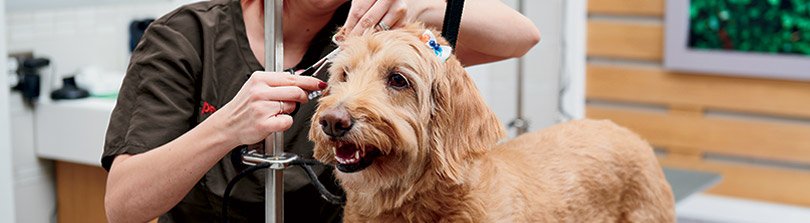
x=274 y=144
x=520 y=123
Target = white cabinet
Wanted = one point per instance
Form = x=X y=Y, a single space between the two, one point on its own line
x=73 y=130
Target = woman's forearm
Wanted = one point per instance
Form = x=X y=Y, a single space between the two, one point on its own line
x=490 y=30
x=144 y=186
x=141 y=187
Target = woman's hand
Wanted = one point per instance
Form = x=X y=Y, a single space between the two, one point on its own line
x=262 y=106
x=385 y=14
x=142 y=186
x=490 y=30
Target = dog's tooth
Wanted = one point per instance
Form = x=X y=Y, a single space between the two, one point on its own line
x=357 y=154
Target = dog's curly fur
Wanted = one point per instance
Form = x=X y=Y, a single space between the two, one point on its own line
x=441 y=160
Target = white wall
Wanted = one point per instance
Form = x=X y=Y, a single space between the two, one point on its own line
x=13 y=5
x=543 y=67
x=575 y=30
x=80 y=36
x=6 y=182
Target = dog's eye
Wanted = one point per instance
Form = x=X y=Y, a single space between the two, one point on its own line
x=397 y=81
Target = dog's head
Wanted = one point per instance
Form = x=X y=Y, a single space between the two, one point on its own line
x=395 y=111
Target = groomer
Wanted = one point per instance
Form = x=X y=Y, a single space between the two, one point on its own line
x=195 y=93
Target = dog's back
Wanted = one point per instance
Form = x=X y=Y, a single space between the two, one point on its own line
x=581 y=171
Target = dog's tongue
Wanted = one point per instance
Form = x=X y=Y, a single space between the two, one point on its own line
x=346 y=151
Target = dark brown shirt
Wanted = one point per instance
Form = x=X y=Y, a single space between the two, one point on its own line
x=189 y=63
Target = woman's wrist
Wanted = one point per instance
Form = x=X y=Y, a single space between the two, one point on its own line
x=216 y=129
x=429 y=12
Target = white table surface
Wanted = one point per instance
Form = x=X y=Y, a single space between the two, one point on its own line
x=73 y=130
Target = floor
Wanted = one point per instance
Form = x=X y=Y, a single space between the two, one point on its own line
x=704 y=208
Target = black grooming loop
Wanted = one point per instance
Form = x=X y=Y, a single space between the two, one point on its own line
x=296 y=161
x=452 y=21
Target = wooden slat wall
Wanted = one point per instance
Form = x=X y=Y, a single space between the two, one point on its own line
x=751 y=182
x=690 y=133
x=657 y=86
x=627 y=7
x=625 y=41
x=770 y=119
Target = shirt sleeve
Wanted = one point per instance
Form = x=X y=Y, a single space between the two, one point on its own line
x=157 y=100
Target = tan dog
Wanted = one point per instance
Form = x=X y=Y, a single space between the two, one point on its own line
x=413 y=141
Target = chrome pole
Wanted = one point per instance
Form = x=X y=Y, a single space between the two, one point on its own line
x=520 y=123
x=274 y=144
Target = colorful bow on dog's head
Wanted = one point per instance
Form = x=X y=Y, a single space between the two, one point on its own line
x=443 y=52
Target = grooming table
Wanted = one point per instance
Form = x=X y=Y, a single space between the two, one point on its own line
x=687 y=182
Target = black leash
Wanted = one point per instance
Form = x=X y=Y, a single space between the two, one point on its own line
x=303 y=163
x=452 y=21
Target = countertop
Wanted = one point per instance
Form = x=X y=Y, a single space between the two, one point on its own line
x=73 y=130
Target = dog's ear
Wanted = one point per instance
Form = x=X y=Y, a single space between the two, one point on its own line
x=462 y=126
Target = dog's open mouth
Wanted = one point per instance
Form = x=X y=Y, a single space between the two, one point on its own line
x=353 y=158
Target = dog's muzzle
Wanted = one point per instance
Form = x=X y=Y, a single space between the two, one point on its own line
x=336 y=122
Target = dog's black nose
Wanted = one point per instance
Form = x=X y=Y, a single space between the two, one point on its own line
x=336 y=122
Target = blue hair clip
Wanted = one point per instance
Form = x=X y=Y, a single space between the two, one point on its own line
x=443 y=52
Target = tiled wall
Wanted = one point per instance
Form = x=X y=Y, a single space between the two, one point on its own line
x=81 y=36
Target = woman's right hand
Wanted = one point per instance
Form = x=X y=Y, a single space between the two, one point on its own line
x=262 y=106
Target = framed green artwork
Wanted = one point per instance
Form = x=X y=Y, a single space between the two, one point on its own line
x=761 y=38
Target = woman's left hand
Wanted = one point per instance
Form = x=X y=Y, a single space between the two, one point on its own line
x=385 y=14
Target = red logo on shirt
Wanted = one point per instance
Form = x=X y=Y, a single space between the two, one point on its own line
x=207 y=108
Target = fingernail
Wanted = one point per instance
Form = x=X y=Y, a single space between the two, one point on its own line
x=322 y=85
x=297 y=72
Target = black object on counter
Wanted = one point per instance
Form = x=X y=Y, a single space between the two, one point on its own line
x=69 y=90
x=30 y=78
